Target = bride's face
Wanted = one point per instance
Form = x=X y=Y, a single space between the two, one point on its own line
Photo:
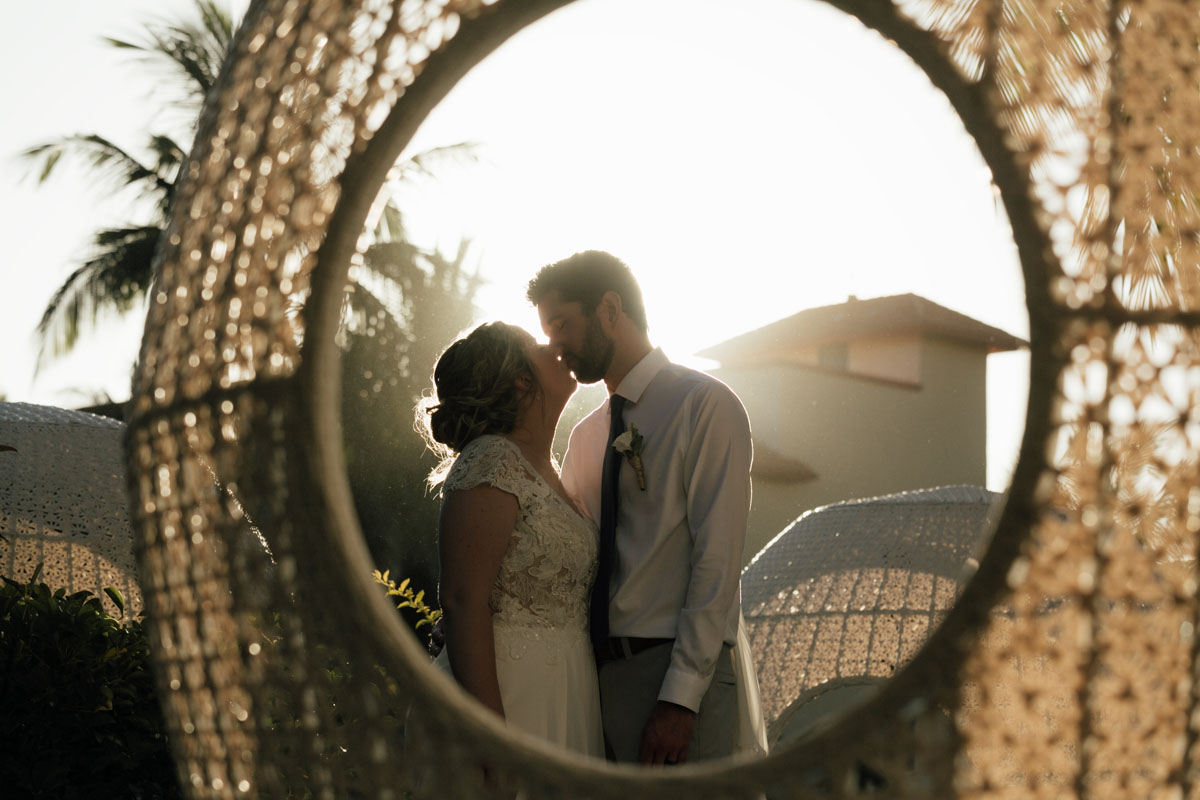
x=552 y=374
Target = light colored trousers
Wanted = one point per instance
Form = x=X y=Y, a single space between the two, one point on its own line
x=629 y=689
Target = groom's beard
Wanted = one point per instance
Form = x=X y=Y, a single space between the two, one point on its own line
x=591 y=364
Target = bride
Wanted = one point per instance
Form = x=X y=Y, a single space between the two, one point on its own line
x=517 y=555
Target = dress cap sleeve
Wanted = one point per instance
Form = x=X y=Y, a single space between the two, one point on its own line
x=492 y=461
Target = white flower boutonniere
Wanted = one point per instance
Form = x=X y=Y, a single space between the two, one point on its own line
x=629 y=444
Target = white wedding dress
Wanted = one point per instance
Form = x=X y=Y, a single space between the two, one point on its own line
x=539 y=603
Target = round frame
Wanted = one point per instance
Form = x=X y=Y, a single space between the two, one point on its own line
x=364 y=178
x=326 y=535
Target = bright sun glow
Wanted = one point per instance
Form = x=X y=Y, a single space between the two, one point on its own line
x=747 y=159
x=741 y=183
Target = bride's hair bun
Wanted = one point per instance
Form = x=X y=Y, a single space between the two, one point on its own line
x=475 y=390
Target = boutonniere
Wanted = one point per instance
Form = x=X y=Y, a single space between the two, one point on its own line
x=629 y=444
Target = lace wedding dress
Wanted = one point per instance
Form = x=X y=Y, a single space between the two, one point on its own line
x=539 y=603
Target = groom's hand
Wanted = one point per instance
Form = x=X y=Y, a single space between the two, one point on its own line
x=667 y=734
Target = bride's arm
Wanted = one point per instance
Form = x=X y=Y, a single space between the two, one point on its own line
x=473 y=534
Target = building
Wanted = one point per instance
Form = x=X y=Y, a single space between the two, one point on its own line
x=860 y=399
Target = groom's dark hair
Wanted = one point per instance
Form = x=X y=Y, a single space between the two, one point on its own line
x=584 y=278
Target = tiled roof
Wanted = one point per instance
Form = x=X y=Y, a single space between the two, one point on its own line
x=860 y=319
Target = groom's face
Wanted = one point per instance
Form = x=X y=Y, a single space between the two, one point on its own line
x=581 y=341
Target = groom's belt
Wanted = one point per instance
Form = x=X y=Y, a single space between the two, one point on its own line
x=617 y=647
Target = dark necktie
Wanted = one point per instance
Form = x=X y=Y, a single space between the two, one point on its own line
x=607 y=561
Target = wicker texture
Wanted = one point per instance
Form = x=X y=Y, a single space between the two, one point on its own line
x=1067 y=666
x=852 y=590
x=63 y=503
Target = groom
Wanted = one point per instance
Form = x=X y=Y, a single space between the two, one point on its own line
x=672 y=516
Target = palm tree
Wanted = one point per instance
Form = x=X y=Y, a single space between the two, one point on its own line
x=119 y=273
x=406 y=302
x=409 y=304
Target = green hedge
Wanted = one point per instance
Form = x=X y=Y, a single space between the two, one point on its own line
x=78 y=714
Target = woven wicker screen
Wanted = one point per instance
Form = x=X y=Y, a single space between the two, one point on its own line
x=62 y=503
x=1066 y=668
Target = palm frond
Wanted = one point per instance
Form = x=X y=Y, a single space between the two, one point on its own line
x=191 y=57
x=120 y=270
x=391 y=224
x=219 y=25
x=451 y=275
x=116 y=277
x=195 y=49
x=106 y=157
x=169 y=157
x=425 y=163
x=368 y=314
x=51 y=155
x=168 y=153
x=396 y=260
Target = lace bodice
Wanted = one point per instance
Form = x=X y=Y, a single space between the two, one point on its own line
x=546 y=576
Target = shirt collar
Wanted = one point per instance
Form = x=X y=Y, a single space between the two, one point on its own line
x=638 y=378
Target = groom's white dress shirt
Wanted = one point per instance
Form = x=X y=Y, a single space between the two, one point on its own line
x=679 y=542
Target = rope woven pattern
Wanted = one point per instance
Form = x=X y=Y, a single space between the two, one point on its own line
x=1067 y=666
x=63 y=503
x=853 y=589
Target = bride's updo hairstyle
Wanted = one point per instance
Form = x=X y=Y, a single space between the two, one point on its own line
x=475 y=391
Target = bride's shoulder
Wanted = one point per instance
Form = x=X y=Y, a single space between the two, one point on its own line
x=485 y=452
x=486 y=459
x=488 y=443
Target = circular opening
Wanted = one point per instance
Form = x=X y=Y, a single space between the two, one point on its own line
x=761 y=203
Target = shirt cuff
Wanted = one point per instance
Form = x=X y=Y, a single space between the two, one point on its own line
x=684 y=688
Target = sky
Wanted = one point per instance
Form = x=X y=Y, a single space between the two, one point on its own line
x=747 y=160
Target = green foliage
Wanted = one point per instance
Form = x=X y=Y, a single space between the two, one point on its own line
x=409 y=600
x=116 y=277
x=339 y=682
x=408 y=302
x=194 y=50
x=407 y=306
x=79 y=717
x=78 y=713
x=119 y=271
